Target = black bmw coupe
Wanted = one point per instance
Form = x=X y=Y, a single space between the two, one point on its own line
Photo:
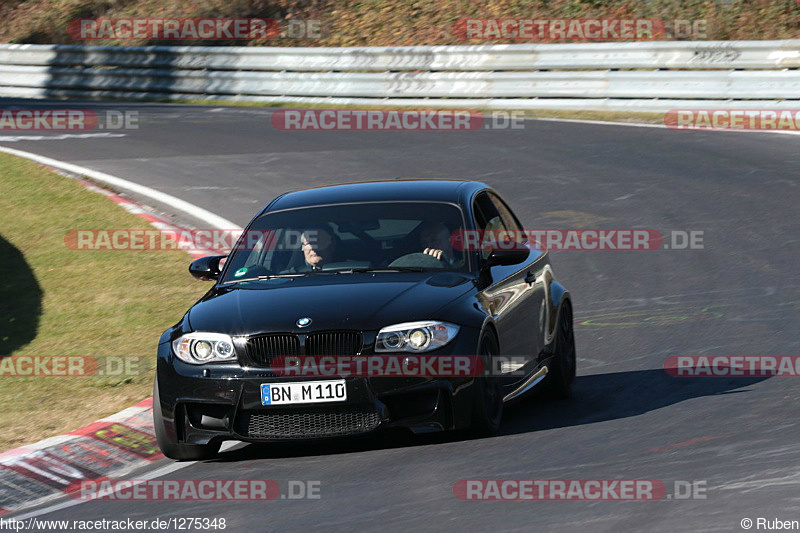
x=364 y=272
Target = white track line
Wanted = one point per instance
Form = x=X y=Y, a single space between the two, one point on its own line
x=181 y=205
x=660 y=126
x=64 y=137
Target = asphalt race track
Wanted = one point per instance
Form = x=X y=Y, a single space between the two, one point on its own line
x=739 y=295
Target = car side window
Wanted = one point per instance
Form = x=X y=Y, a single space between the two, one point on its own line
x=509 y=220
x=487 y=220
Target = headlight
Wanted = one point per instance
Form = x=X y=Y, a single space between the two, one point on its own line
x=198 y=348
x=415 y=336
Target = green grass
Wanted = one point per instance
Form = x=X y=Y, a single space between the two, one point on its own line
x=57 y=301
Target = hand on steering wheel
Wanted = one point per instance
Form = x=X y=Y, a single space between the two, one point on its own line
x=438 y=254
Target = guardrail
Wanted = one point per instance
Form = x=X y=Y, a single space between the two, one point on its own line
x=644 y=76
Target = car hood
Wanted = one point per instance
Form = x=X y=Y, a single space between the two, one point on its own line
x=332 y=302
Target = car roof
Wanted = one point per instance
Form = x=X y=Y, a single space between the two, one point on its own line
x=432 y=190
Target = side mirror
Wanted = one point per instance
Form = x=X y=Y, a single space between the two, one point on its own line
x=508 y=257
x=206 y=268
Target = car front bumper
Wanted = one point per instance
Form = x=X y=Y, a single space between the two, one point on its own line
x=205 y=403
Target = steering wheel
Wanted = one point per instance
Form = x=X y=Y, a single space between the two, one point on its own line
x=419 y=260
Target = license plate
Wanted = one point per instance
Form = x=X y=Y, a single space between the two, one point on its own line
x=303 y=392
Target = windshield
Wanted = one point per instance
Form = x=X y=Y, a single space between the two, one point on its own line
x=350 y=238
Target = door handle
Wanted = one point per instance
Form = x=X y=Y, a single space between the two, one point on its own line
x=530 y=277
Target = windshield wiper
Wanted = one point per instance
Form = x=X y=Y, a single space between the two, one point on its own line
x=383 y=269
x=359 y=270
x=267 y=277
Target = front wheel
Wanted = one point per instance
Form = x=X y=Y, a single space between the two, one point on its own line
x=170 y=447
x=561 y=376
x=487 y=406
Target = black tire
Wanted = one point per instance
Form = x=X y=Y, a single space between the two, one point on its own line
x=561 y=376
x=171 y=448
x=487 y=400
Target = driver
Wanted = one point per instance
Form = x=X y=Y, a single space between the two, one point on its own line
x=319 y=246
x=435 y=241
